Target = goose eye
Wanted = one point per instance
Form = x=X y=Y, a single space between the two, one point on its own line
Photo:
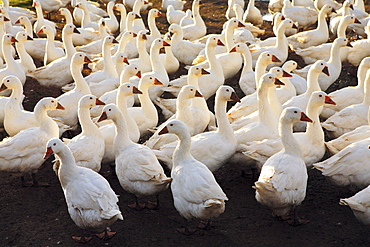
x=109 y=109
x=295 y=112
x=54 y=144
x=171 y=124
x=268 y=55
x=320 y=95
x=52 y=101
x=91 y=97
x=227 y=90
x=270 y=77
x=191 y=89
x=7 y=80
x=128 y=86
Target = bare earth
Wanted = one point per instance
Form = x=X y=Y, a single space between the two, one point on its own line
x=39 y=217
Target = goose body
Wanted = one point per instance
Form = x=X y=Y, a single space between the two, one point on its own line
x=359 y=203
x=91 y=202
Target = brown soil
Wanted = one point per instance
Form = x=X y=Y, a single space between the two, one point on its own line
x=37 y=216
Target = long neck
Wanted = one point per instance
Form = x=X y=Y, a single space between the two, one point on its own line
x=312 y=82
x=40 y=15
x=366 y=100
x=122 y=138
x=45 y=122
x=341 y=32
x=229 y=37
x=224 y=126
x=7 y=53
x=281 y=40
x=147 y=105
x=361 y=75
x=274 y=102
x=86 y=19
x=214 y=64
x=26 y=59
x=122 y=24
x=260 y=70
x=247 y=57
x=108 y=61
x=121 y=102
x=88 y=127
x=137 y=7
x=122 y=44
x=68 y=169
x=68 y=44
x=321 y=23
x=28 y=27
x=182 y=150
x=157 y=65
x=265 y=114
x=125 y=76
x=314 y=129
x=196 y=15
x=182 y=108
x=153 y=27
x=289 y=142
x=17 y=94
x=335 y=56
x=50 y=47
x=141 y=47
x=80 y=82
x=169 y=54
x=68 y=17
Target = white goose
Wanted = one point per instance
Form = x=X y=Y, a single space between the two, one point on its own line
x=198 y=29
x=177 y=4
x=303 y=15
x=359 y=203
x=349 y=167
x=252 y=14
x=24 y=152
x=282 y=183
x=169 y=60
x=248 y=103
x=313 y=37
x=122 y=9
x=311 y=142
x=299 y=82
x=183 y=113
x=146 y=116
x=108 y=130
x=95 y=47
x=111 y=22
x=52 y=53
x=212 y=148
x=40 y=18
x=184 y=50
x=350 y=95
x=350 y=117
x=174 y=16
x=25 y=60
x=96 y=208
x=58 y=73
x=143 y=61
x=137 y=168
x=88 y=146
x=208 y=84
x=71 y=98
x=86 y=18
x=301 y=100
x=206 y=199
x=154 y=32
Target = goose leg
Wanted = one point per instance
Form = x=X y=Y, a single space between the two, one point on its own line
x=186 y=230
x=296 y=221
x=205 y=225
x=153 y=205
x=106 y=235
x=136 y=205
x=83 y=239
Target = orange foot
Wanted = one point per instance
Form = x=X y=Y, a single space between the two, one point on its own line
x=137 y=206
x=153 y=205
x=186 y=230
x=106 y=235
x=82 y=240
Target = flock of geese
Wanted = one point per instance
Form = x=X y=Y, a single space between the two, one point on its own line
x=276 y=129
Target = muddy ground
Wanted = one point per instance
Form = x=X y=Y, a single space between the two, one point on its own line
x=38 y=216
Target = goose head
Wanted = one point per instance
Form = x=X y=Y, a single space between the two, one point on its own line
x=213 y=41
x=49 y=103
x=227 y=93
x=320 y=66
x=147 y=81
x=54 y=145
x=153 y=13
x=328 y=9
x=293 y=115
x=89 y=101
x=197 y=71
x=131 y=16
x=10 y=82
x=240 y=47
x=128 y=89
x=8 y=39
x=69 y=29
x=167 y=38
x=79 y=58
x=46 y=29
x=175 y=126
x=350 y=19
x=279 y=72
x=110 y=111
x=269 y=80
x=142 y=35
x=22 y=37
x=122 y=58
x=267 y=58
x=189 y=92
x=132 y=70
x=290 y=65
x=120 y=7
x=277 y=18
x=159 y=43
x=3 y=19
x=63 y=11
x=287 y=23
x=109 y=41
x=320 y=98
x=128 y=35
x=20 y=20
x=81 y=5
x=175 y=29
x=234 y=23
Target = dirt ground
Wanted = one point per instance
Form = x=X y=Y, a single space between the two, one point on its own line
x=37 y=216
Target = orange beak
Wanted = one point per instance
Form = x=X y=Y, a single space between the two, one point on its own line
x=48 y=152
x=103 y=117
